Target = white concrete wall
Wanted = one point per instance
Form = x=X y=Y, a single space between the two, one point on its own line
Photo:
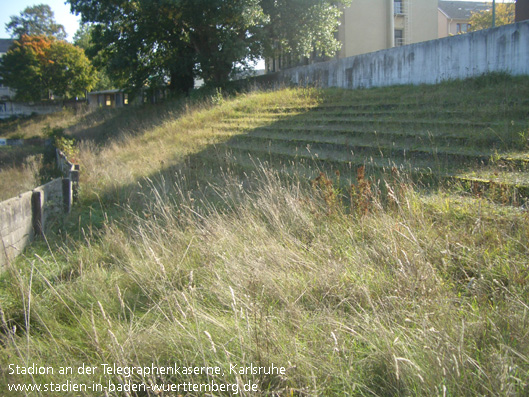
x=8 y=109
x=16 y=227
x=502 y=49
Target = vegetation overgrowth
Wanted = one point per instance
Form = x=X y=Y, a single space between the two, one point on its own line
x=193 y=246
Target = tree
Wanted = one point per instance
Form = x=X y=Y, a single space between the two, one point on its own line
x=172 y=41
x=36 y=21
x=83 y=39
x=302 y=27
x=483 y=19
x=36 y=66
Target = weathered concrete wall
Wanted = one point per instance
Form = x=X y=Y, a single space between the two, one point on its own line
x=16 y=226
x=9 y=109
x=24 y=217
x=22 y=142
x=502 y=49
x=52 y=203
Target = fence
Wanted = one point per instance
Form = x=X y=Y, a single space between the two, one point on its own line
x=27 y=216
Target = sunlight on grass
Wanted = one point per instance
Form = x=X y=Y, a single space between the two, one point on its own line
x=206 y=237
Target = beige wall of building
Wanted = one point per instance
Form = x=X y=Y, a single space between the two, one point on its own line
x=454 y=16
x=450 y=26
x=372 y=25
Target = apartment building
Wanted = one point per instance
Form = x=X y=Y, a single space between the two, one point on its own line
x=372 y=25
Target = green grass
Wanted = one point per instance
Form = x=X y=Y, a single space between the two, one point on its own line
x=210 y=235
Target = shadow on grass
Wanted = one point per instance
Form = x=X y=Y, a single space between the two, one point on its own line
x=429 y=133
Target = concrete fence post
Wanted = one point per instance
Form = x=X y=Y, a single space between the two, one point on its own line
x=67 y=195
x=36 y=213
x=74 y=178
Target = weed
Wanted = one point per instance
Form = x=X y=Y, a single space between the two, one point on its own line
x=361 y=193
x=329 y=191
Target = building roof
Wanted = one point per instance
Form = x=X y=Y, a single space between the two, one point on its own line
x=462 y=9
x=105 y=92
x=5 y=44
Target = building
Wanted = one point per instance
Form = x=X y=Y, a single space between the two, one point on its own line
x=373 y=25
x=108 y=98
x=5 y=92
x=119 y=98
x=454 y=16
x=522 y=10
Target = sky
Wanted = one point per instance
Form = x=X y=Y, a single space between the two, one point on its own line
x=61 y=10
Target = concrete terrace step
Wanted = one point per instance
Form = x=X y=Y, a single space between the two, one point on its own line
x=290 y=155
x=507 y=186
x=365 y=149
x=366 y=132
x=260 y=119
x=483 y=114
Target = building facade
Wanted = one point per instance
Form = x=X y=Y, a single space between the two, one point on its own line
x=6 y=93
x=454 y=16
x=372 y=25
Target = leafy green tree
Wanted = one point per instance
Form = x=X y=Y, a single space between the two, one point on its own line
x=36 y=66
x=302 y=27
x=83 y=39
x=483 y=19
x=146 y=42
x=37 y=20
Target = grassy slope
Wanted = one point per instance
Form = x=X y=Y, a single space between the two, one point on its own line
x=198 y=245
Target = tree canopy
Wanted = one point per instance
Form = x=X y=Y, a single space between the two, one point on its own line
x=36 y=66
x=483 y=19
x=83 y=39
x=37 y=20
x=173 y=41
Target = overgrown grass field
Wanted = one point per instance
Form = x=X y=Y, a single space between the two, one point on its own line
x=371 y=242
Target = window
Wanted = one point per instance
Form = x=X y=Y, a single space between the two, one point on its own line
x=125 y=99
x=463 y=27
x=399 y=37
x=397 y=7
x=108 y=100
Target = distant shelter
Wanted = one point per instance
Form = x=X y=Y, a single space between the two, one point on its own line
x=108 y=98
x=118 y=98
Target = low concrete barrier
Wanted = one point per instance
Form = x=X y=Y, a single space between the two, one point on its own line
x=70 y=171
x=16 y=226
x=29 y=215
x=22 y=142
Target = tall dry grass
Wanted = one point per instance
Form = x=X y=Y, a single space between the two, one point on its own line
x=417 y=296
x=179 y=256
x=20 y=179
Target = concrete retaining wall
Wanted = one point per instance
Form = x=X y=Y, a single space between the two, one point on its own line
x=502 y=49
x=16 y=226
x=27 y=216
x=24 y=217
x=23 y=142
x=10 y=109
